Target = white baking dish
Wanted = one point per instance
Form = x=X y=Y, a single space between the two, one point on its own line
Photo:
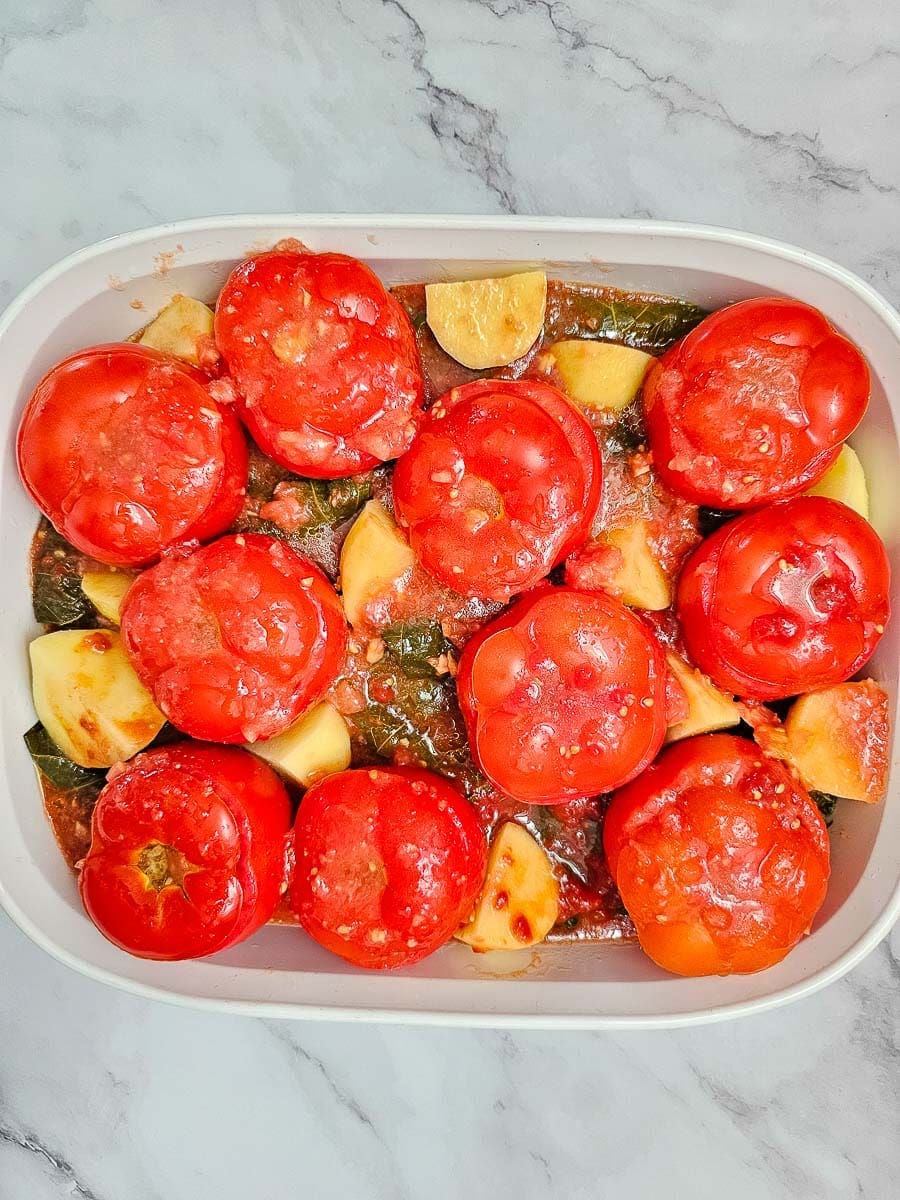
x=93 y=295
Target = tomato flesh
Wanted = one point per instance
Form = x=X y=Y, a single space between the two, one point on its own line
x=325 y=361
x=126 y=452
x=501 y=484
x=236 y=640
x=753 y=404
x=563 y=695
x=187 y=851
x=720 y=856
x=787 y=599
x=389 y=863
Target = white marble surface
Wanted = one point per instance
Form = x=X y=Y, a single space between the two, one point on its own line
x=778 y=117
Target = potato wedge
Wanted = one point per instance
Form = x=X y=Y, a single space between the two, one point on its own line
x=640 y=581
x=374 y=556
x=708 y=708
x=487 y=322
x=179 y=327
x=600 y=374
x=520 y=901
x=845 y=480
x=315 y=746
x=106 y=591
x=837 y=739
x=88 y=697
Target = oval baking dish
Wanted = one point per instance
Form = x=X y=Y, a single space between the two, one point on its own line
x=93 y=295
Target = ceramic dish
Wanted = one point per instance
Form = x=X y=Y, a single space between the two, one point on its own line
x=93 y=295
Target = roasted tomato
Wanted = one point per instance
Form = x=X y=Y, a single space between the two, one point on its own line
x=563 y=695
x=187 y=851
x=720 y=856
x=787 y=599
x=127 y=454
x=753 y=404
x=389 y=862
x=502 y=483
x=237 y=639
x=324 y=359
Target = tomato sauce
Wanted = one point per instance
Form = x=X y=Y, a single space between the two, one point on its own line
x=69 y=813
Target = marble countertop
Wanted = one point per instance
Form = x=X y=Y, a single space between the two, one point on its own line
x=778 y=118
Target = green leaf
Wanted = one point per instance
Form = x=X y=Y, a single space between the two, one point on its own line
x=59 y=770
x=321 y=501
x=422 y=719
x=384 y=729
x=412 y=643
x=56 y=593
x=650 y=323
x=826 y=804
x=338 y=499
x=264 y=475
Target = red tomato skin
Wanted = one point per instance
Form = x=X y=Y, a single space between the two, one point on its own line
x=529 y=690
x=581 y=437
x=786 y=599
x=389 y=862
x=224 y=813
x=236 y=640
x=324 y=359
x=501 y=484
x=720 y=856
x=753 y=405
x=128 y=455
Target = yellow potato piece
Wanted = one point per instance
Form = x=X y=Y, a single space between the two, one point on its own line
x=640 y=581
x=827 y=739
x=600 y=374
x=708 y=708
x=845 y=480
x=374 y=556
x=88 y=697
x=106 y=591
x=178 y=328
x=487 y=322
x=315 y=746
x=519 y=904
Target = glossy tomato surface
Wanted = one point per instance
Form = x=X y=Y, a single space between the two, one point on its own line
x=563 y=695
x=753 y=404
x=787 y=599
x=236 y=640
x=501 y=484
x=389 y=863
x=325 y=361
x=126 y=452
x=720 y=856
x=187 y=851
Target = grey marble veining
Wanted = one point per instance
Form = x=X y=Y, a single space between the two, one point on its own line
x=781 y=118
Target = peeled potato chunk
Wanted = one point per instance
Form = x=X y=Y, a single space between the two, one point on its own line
x=179 y=328
x=106 y=591
x=640 y=580
x=837 y=740
x=520 y=901
x=487 y=322
x=374 y=556
x=708 y=708
x=315 y=746
x=600 y=374
x=845 y=480
x=89 y=699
